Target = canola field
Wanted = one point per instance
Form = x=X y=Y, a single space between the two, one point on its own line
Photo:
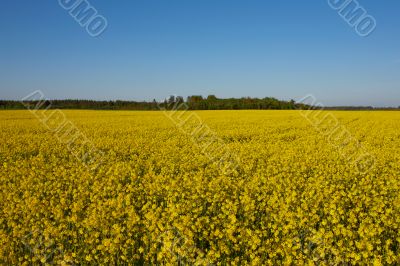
x=156 y=195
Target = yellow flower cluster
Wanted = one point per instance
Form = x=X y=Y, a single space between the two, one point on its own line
x=157 y=199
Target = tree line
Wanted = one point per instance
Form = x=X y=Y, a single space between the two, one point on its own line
x=194 y=102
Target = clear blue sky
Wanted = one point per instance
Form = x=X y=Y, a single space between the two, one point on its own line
x=153 y=48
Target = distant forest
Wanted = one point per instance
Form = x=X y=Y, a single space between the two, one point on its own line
x=192 y=103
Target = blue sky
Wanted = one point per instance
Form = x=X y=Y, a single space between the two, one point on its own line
x=152 y=48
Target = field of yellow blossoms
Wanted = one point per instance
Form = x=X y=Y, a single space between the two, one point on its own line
x=157 y=198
